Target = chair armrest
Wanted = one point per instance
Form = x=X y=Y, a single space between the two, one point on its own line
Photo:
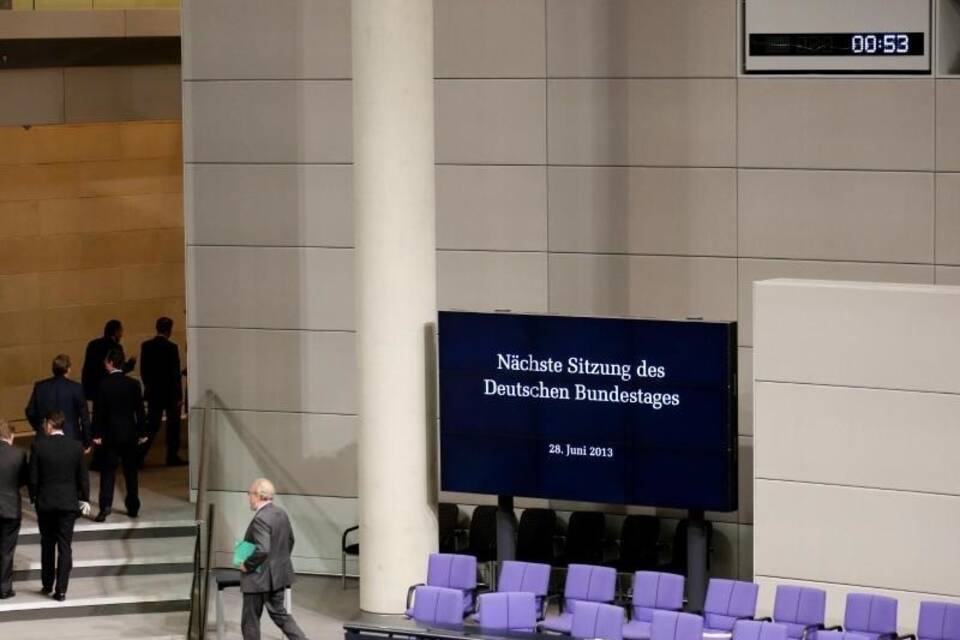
x=764 y=619
x=410 y=591
x=343 y=539
x=552 y=596
x=836 y=627
x=810 y=627
x=909 y=636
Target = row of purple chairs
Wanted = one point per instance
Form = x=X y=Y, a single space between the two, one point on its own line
x=800 y=611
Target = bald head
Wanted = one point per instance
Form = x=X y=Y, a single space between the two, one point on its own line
x=261 y=492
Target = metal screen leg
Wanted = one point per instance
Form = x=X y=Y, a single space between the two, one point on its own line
x=220 y=622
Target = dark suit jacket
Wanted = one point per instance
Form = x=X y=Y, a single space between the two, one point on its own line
x=64 y=395
x=271 y=532
x=13 y=475
x=118 y=411
x=160 y=370
x=58 y=474
x=93 y=369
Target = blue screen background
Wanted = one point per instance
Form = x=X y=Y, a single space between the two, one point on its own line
x=678 y=456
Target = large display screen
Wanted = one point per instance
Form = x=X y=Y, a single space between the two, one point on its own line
x=606 y=410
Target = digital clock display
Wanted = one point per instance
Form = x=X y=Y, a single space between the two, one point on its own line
x=837 y=44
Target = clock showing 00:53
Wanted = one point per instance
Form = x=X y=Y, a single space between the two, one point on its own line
x=880 y=43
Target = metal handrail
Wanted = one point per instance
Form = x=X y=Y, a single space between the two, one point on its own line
x=203 y=515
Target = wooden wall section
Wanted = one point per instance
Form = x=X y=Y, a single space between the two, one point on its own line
x=91 y=228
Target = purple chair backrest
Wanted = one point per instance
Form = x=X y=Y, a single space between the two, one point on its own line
x=727 y=601
x=589 y=584
x=455 y=572
x=508 y=611
x=674 y=625
x=938 y=621
x=524 y=576
x=841 y=635
x=438 y=605
x=756 y=630
x=798 y=607
x=870 y=614
x=653 y=590
x=597 y=620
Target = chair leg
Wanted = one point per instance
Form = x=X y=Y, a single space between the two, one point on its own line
x=220 y=623
x=288 y=600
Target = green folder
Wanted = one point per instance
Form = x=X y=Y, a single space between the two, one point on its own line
x=241 y=551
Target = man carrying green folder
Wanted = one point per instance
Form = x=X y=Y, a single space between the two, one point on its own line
x=264 y=558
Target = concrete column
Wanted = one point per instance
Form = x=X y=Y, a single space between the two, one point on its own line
x=394 y=211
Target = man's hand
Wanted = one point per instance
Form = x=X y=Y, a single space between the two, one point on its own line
x=87 y=450
x=142 y=440
x=244 y=568
x=98 y=441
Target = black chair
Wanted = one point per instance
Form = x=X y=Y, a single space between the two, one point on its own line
x=639 y=536
x=586 y=531
x=536 y=536
x=448 y=525
x=482 y=543
x=678 y=550
x=351 y=549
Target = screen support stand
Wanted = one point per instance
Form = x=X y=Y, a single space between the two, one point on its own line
x=696 y=560
x=506 y=531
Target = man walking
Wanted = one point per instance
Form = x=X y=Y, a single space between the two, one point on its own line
x=160 y=373
x=13 y=475
x=268 y=571
x=59 y=393
x=96 y=353
x=118 y=430
x=59 y=483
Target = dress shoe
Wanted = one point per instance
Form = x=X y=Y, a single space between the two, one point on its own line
x=102 y=516
x=8 y=594
x=46 y=590
x=59 y=597
x=133 y=514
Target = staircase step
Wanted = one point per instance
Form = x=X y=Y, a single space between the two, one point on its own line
x=125 y=529
x=139 y=626
x=102 y=595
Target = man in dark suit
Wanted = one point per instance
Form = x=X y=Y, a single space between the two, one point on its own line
x=96 y=353
x=59 y=393
x=59 y=483
x=118 y=430
x=13 y=475
x=160 y=373
x=268 y=571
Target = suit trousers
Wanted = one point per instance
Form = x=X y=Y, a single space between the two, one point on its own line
x=253 y=604
x=9 y=531
x=127 y=456
x=156 y=409
x=56 y=554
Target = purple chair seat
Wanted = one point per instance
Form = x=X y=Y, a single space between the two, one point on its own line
x=452 y=571
x=938 y=621
x=756 y=630
x=728 y=601
x=840 y=635
x=597 y=620
x=674 y=625
x=869 y=615
x=636 y=630
x=437 y=605
x=585 y=583
x=513 y=611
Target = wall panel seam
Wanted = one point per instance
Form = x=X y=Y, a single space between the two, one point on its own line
x=857 y=586
x=292 y=329
x=793 y=481
x=851 y=386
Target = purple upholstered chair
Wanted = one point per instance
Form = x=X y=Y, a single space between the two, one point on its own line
x=938 y=621
x=529 y=577
x=513 y=611
x=674 y=625
x=869 y=615
x=801 y=609
x=597 y=620
x=437 y=605
x=757 y=630
x=840 y=635
x=454 y=572
x=728 y=601
x=652 y=591
x=585 y=583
